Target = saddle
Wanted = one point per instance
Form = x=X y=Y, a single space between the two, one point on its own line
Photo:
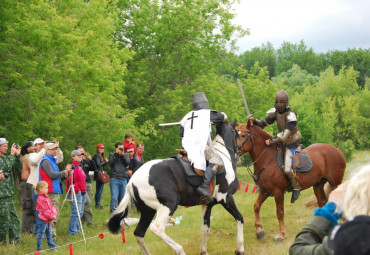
x=302 y=162
x=191 y=176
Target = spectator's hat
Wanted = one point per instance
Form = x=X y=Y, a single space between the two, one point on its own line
x=131 y=149
x=100 y=146
x=3 y=141
x=76 y=153
x=38 y=140
x=351 y=237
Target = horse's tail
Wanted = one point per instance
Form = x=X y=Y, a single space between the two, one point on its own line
x=312 y=200
x=114 y=223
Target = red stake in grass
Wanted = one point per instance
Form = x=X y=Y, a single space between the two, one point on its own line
x=37 y=253
x=101 y=236
x=246 y=188
x=254 y=189
x=123 y=235
x=239 y=186
x=70 y=249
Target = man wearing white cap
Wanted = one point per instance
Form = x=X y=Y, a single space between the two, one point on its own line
x=34 y=160
x=9 y=165
x=49 y=172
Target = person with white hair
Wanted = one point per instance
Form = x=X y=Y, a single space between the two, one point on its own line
x=323 y=234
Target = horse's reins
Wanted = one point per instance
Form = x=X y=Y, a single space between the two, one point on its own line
x=224 y=153
x=255 y=175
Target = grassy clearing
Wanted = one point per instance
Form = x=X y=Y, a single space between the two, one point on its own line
x=222 y=236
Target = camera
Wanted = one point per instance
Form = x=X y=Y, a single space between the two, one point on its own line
x=16 y=146
x=6 y=175
x=86 y=154
x=73 y=167
x=121 y=149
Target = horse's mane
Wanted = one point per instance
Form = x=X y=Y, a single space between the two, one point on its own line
x=261 y=132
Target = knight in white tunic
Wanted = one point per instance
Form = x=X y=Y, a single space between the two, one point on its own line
x=195 y=131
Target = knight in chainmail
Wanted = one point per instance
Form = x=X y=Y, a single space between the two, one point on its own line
x=288 y=135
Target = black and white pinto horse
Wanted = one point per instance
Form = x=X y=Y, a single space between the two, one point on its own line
x=160 y=186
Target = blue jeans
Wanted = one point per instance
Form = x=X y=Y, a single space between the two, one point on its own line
x=99 y=191
x=45 y=228
x=37 y=223
x=74 y=221
x=117 y=191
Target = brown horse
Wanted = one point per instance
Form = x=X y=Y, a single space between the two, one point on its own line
x=328 y=165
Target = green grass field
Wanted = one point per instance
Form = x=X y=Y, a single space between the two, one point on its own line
x=222 y=236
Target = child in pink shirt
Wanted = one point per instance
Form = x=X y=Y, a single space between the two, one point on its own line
x=47 y=213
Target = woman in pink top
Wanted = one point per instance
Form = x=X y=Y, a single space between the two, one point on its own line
x=47 y=213
x=78 y=178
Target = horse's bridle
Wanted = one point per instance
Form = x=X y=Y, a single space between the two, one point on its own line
x=256 y=174
x=245 y=141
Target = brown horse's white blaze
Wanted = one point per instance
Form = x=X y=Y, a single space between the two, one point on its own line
x=328 y=164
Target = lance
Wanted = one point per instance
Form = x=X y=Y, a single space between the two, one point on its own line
x=245 y=101
x=170 y=124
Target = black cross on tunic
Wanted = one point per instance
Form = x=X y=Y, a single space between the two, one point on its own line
x=192 y=118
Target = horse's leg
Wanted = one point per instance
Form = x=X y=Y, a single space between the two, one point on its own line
x=159 y=225
x=230 y=206
x=320 y=194
x=279 y=201
x=206 y=213
x=257 y=219
x=146 y=217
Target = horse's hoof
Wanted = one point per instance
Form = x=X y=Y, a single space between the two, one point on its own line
x=203 y=253
x=239 y=252
x=260 y=234
x=278 y=238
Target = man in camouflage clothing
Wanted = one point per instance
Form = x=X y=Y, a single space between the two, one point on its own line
x=9 y=166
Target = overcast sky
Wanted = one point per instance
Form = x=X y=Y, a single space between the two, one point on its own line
x=323 y=24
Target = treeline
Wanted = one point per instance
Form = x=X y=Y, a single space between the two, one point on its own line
x=87 y=72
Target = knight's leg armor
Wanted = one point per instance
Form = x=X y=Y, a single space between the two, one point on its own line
x=289 y=172
x=203 y=189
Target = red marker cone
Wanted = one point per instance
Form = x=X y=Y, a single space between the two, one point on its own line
x=37 y=253
x=239 y=186
x=254 y=189
x=101 y=235
x=187 y=206
x=123 y=235
x=70 y=249
x=246 y=188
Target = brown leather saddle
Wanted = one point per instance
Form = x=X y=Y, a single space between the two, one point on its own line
x=302 y=162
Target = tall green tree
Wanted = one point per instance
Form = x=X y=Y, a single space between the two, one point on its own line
x=61 y=73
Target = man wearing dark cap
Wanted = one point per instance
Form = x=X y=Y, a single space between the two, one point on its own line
x=27 y=203
x=9 y=165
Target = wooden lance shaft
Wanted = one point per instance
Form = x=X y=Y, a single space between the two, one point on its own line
x=244 y=101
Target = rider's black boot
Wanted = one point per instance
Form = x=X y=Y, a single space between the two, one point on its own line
x=203 y=189
x=295 y=185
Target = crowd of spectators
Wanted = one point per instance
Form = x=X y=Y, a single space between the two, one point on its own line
x=36 y=164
